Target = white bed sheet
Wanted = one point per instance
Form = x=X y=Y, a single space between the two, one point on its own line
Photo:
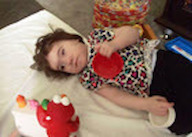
x=98 y=117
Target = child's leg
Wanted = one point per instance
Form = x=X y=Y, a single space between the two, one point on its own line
x=172 y=78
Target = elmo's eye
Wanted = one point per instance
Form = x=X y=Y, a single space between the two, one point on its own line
x=56 y=99
x=65 y=101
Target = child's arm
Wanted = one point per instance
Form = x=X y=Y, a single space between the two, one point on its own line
x=124 y=36
x=157 y=105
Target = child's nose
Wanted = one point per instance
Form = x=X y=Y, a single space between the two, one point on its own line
x=69 y=61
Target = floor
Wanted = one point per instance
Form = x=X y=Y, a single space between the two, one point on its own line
x=13 y=10
x=77 y=13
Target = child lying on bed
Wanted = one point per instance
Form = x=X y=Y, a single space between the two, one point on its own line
x=60 y=54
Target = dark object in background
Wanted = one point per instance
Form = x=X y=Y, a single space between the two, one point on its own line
x=177 y=16
x=14 y=10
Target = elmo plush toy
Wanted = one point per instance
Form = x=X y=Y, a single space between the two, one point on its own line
x=58 y=117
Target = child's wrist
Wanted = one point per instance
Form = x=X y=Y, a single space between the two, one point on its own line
x=113 y=45
x=144 y=104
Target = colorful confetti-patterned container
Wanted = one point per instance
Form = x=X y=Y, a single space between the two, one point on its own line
x=115 y=13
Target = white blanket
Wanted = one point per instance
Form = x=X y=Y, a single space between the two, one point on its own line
x=98 y=116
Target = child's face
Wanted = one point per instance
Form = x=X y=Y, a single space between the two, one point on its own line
x=68 y=56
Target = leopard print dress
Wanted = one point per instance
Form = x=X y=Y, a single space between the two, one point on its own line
x=132 y=78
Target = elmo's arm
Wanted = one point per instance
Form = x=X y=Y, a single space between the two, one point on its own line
x=73 y=125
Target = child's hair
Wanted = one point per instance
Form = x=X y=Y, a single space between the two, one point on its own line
x=43 y=47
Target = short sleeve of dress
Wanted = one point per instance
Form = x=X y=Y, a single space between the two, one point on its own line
x=100 y=35
x=88 y=78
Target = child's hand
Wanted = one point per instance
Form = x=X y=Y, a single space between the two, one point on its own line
x=105 y=49
x=158 y=105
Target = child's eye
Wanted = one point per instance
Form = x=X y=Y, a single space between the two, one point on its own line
x=63 y=52
x=62 y=67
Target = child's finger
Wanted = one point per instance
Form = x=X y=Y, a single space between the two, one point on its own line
x=160 y=98
x=163 y=113
x=167 y=105
x=97 y=48
x=108 y=54
x=102 y=51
